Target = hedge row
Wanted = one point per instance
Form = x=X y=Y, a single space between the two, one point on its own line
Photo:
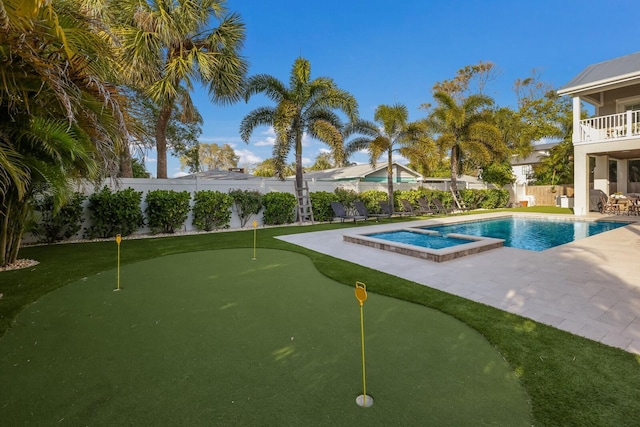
x=119 y=212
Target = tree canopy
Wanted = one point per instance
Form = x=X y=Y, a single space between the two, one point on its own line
x=390 y=133
x=306 y=106
x=169 y=47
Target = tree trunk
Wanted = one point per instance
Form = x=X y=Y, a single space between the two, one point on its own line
x=4 y=231
x=454 y=169
x=390 y=181
x=126 y=171
x=299 y=159
x=161 y=141
x=14 y=217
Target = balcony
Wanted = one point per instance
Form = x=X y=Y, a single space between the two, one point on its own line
x=609 y=128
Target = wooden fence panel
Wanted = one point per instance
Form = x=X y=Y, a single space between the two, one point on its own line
x=545 y=194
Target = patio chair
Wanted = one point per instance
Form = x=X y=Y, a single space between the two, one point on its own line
x=384 y=207
x=440 y=207
x=634 y=205
x=340 y=212
x=607 y=205
x=363 y=211
x=407 y=207
x=425 y=207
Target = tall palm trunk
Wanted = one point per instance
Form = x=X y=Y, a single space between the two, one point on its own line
x=390 y=181
x=299 y=159
x=454 y=169
x=161 y=140
x=126 y=170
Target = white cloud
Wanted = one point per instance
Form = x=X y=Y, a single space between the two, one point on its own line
x=324 y=150
x=399 y=159
x=221 y=140
x=307 y=140
x=179 y=174
x=306 y=161
x=148 y=159
x=268 y=141
x=248 y=157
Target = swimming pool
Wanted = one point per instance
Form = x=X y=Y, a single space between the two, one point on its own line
x=411 y=237
x=425 y=244
x=530 y=233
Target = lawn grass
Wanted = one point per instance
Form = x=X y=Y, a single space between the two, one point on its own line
x=214 y=337
x=571 y=381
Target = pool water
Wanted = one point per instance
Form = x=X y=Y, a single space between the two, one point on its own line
x=529 y=233
x=432 y=241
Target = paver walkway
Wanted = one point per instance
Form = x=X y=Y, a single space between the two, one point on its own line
x=590 y=287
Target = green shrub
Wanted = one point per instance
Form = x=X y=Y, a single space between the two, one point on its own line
x=473 y=198
x=321 y=205
x=279 y=208
x=211 y=210
x=112 y=213
x=495 y=198
x=247 y=203
x=167 y=210
x=370 y=198
x=346 y=197
x=58 y=225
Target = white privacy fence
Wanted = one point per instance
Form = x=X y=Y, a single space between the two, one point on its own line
x=264 y=186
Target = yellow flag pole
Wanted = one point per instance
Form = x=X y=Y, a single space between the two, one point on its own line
x=118 y=240
x=255 y=224
x=361 y=295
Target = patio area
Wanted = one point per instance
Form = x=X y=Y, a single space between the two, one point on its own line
x=590 y=287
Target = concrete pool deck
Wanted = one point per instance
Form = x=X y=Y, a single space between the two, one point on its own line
x=589 y=287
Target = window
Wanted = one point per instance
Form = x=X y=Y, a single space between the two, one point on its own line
x=634 y=170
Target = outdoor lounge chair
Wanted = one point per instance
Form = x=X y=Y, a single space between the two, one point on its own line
x=340 y=212
x=363 y=211
x=440 y=207
x=384 y=207
x=407 y=207
x=425 y=207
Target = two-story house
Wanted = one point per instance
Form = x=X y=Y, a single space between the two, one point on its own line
x=612 y=136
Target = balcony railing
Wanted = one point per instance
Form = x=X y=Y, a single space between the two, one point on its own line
x=611 y=127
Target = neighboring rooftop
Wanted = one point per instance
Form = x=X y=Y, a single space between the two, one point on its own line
x=219 y=174
x=365 y=172
x=597 y=76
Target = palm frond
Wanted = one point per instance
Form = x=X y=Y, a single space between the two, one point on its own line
x=273 y=88
x=262 y=116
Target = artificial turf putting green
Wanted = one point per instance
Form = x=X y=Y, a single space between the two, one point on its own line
x=216 y=338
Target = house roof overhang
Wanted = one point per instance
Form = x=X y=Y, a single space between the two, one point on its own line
x=607 y=75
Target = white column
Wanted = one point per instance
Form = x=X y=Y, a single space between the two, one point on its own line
x=576 y=119
x=623 y=175
x=581 y=183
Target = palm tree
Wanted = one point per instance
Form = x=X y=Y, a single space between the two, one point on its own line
x=306 y=106
x=466 y=130
x=391 y=133
x=168 y=47
x=59 y=119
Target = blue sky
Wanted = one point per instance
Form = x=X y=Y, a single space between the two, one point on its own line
x=393 y=52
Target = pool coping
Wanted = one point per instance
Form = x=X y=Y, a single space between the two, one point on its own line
x=480 y=243
x=589 y=287
x=476 y=245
